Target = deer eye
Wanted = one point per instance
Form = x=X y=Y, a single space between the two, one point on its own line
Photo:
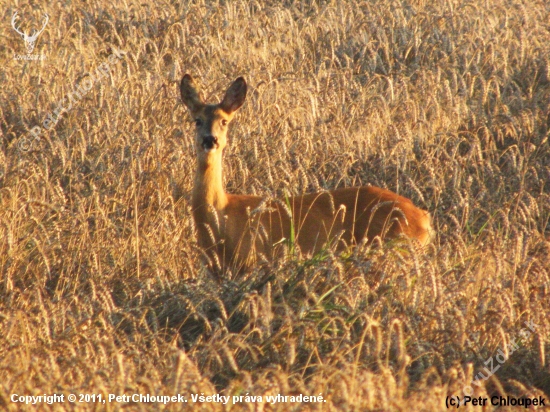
x=198 y=122
x=224 y=122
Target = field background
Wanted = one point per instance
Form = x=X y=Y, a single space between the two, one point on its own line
x=101 y=286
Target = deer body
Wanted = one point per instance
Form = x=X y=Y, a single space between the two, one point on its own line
x=237 y=230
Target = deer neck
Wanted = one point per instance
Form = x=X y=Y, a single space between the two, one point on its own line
x=208 y=190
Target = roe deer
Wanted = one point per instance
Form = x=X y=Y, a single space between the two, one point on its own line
x=235 y=230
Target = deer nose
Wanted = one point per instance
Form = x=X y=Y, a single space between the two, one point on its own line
x=208 y=142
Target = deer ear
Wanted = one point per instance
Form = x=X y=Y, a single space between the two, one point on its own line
x=234 y=96
x=189 y=94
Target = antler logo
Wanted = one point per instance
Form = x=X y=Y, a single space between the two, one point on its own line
x=29 y=39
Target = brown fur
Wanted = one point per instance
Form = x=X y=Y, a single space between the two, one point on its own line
x=235 y=230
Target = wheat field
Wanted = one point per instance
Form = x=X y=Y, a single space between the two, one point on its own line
x=102 y=289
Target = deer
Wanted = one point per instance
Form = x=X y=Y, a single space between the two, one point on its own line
x=236 y=231
x=29 y=39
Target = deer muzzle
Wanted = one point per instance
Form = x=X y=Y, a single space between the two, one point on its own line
x=209 y=143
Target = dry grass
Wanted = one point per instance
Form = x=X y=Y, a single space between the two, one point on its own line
x=101 y=289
